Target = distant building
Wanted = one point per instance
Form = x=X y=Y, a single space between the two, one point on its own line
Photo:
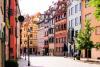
x=41 y=33
x=51 y=32
x=74 y=8
x=60 y=27
x=29 y=23
x=46 y=24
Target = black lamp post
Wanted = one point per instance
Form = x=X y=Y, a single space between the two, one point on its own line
x=28 y=49
x=25 y=50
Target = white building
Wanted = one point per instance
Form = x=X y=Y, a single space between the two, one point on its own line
x=40 y=34
x=74 y=18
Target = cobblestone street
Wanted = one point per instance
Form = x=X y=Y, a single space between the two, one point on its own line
x=47 y=61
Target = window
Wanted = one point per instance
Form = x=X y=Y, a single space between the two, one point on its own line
x=58 y=17
x=64 y=14
x=79 y=6
x=31 y=35
x=69 y=12
x=88 y=16
x=72 y=10
x=56 y=40
x=71 y=23
x=30 y=42
x=86 y=3
x=98 y=30
x=76 y=21
x=80 y=20
x=51 y=40
x=63 y=39
x=76 y=8
x=46 y=42
x=64 y=26
x=59 y=28
x=31 y=28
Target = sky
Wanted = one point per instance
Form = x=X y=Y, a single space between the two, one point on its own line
x=31 y=7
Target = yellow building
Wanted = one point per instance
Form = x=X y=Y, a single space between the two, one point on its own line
x=30 y=23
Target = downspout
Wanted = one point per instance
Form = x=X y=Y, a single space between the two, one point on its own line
x=9 y=29
x=4 y=34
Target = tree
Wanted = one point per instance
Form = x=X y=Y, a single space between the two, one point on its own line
x=96 y=4
x=83 y=39
x=97 y=45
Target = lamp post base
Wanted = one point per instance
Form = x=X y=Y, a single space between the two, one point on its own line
x=25 y=58
x=28 y=63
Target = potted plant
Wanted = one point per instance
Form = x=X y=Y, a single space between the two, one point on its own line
x=11 y=63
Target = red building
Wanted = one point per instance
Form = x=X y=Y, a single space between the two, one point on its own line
x=13 y=45
x=60 y=27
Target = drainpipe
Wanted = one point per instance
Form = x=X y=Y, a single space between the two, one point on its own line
x=9 y=29
x=3 y=39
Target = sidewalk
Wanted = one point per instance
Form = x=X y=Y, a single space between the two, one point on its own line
x=90 y=60
x=23 y=63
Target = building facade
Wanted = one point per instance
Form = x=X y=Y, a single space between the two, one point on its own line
x=46 y=42
x=41 y=33
x=30 y=23
x=1 y=27
x=87 y=12
x=13 y=29
x=51 y=32
x=60 y=27
x=74 y=23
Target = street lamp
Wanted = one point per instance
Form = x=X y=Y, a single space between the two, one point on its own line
x=28 y=48
x=25 y=50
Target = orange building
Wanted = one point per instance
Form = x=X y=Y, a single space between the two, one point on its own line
x=88 y=12
x=29 y=23
x=60 y=27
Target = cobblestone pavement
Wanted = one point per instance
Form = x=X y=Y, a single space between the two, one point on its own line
x=47 y=61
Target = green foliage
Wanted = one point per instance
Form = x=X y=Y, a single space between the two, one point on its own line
x=80 y=41
x=97 y=45
x=11 y=63
x=7 y=23
x=83 y=38
x=78 y=57
x=96 y=4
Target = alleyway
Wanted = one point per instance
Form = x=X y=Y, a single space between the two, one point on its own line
x=47 y=61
